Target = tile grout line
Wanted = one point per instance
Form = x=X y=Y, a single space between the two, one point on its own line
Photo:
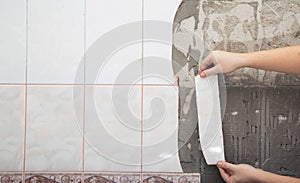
x=71 y=84
x=84 y=92
x=142 y=96
x=25 y=133
x=25 y=94
x=142 y=126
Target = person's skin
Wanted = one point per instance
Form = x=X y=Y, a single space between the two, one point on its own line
x=247 y=174
x=282 y=60
x=285 y=59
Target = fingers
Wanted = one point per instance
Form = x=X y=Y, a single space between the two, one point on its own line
x=206 y=62
x=226 y=166
x=205 y=70
x=224 y=175
x=202 y=74
x=226 y=170
x=211 y=71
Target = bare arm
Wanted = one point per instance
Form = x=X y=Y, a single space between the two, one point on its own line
x=273 y=178
x=282 y=60
x=285 y=59
x=247 y=174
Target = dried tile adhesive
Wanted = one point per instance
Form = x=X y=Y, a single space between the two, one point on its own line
x=209 y=118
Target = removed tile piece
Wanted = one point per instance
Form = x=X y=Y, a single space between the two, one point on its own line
x=209 y=118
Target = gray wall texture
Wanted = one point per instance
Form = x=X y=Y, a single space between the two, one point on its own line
x=261 y=121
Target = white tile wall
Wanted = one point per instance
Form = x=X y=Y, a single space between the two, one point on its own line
x=122 y=67
x=160 y=129
x=111 y=33
x=12 y=41
x=103 y=16
x=110 y=42
x=54 y=125
x=12 y=102
x=158 y=64
x=158 y=27
x=160 y=10
x=55 y=41
x=113 y=128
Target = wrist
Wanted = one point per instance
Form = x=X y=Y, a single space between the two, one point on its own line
x=246 y=60
x=262 y=176
x=265 y=177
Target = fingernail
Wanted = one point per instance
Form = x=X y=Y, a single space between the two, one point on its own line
x=202 y=74
x=220 y=163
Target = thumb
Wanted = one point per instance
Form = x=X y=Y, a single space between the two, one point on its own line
x=211 y=71
x=224 y=175
x=228 y=167
x=206 y=62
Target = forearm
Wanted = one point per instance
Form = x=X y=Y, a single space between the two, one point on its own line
x=267 y=177
x=285 y=59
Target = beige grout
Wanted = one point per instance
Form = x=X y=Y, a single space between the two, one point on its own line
x=66 y=84
x=84 y=96
x=25 y=97
x=142 y=96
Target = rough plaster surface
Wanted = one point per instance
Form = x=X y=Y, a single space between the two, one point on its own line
x=256 y=99
x=238 y=26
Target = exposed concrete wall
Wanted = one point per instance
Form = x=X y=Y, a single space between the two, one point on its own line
x=238 y=26
x=241 y=26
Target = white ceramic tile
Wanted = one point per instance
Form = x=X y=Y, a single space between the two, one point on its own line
x=12 y=41
x=160 y=10
x=160 y=129
x=56 y=41
x=54 y=124
x=157 y=65
x=158 y=25
x=123 y=67
x=113 y=128
x=114 y=35
x=209 y=118
x=11 y=127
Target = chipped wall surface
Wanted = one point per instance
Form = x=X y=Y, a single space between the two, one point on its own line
x=261 y=121
x=238 y=26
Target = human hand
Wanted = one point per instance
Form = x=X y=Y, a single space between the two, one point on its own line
x=224 y=62
x=239 y=173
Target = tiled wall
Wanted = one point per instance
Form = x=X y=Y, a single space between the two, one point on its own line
x=84 y=89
